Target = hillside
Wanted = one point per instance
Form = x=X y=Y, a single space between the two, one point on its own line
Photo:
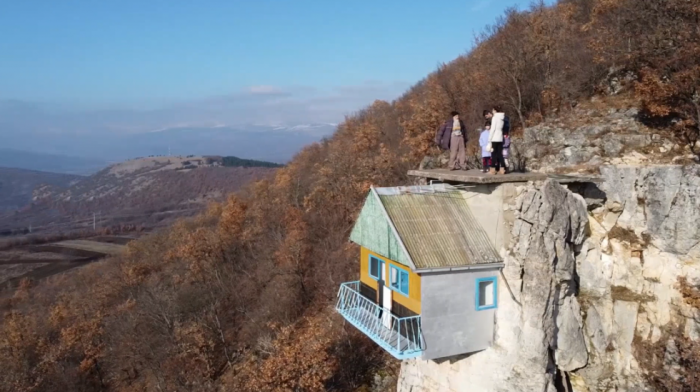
x=17 y=185
x=145 y=192
x=240 y=297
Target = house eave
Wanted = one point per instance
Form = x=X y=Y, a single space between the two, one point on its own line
x=474 y=267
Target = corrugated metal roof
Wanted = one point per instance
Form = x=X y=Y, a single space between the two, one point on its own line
x=437 y=227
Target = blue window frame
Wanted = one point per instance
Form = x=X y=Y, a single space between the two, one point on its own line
x=398 y=279
x=486 y=293
x=375 y=267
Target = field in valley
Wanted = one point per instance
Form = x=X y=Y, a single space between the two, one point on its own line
x=35 y=262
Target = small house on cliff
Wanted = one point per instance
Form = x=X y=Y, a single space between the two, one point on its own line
x=429 y=280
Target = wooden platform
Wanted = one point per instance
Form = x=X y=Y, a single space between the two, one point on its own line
x=478 y=177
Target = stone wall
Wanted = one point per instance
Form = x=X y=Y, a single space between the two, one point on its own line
x=590 y=279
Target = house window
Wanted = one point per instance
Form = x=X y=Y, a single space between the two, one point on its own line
x=399 y=280
x=486 y=293
x=375 y=267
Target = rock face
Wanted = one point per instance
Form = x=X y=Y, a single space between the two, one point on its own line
x=642 y=241
x=612 y=137
x=539 y=323
x=587 y=286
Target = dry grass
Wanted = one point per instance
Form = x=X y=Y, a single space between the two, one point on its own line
x=603 y=103
x=23 y=255
x=10 y=271
x=93 y=246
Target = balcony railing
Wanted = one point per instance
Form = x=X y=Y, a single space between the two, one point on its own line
x=401 y=337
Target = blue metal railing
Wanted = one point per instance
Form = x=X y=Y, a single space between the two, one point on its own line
x=401 y=337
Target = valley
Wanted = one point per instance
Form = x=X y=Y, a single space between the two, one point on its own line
x=335 y=271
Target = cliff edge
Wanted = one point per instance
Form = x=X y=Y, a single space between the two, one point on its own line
x=596 y=276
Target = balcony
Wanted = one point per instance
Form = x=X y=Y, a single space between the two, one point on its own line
x=401 y=337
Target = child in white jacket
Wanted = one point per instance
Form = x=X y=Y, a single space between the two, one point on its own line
x=485 y=153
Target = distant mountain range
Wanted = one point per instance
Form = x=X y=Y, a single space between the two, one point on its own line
x=227 y=126
x=97 y=149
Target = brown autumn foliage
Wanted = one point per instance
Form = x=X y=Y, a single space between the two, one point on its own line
x=662 y=54
x=240 y=297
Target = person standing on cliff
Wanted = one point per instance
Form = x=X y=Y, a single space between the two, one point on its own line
x=483 y=143
x=506 y=135
x=497 y=117
x=452 y=135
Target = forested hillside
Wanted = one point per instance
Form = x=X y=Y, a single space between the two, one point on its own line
x=17 y=185
x=241 y=297
x=143 y=192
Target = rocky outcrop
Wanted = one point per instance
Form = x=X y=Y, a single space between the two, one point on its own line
x=591 y=282
x=642 y=241
x=550 y=223
x=611 y=137
x=539 y=323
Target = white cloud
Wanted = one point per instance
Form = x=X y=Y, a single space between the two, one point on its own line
x=264 y=90
x=283 y=106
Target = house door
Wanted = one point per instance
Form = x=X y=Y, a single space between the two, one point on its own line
x=386 y=298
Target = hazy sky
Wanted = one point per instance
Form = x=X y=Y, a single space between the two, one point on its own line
x=145 y=54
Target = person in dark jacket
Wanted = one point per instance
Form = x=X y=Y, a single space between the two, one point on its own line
x=452 y=135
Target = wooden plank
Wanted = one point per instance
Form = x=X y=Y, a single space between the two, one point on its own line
x=475 y=176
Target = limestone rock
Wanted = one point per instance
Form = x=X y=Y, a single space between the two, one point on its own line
x=625 y=319
x=438 y=162
x=571 y=353
x=667 y=196
x=587 y=285
x=566 y=145
x=612 y=147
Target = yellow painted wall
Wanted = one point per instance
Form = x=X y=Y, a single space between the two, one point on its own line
x=412 y=302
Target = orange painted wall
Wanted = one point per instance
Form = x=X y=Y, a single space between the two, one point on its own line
x=412 y=302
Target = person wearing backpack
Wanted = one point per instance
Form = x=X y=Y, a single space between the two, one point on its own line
x=506 y=121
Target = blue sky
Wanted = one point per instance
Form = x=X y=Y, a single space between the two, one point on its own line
x=137 y=54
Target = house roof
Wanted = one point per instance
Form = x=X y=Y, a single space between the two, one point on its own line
x=433 y=228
